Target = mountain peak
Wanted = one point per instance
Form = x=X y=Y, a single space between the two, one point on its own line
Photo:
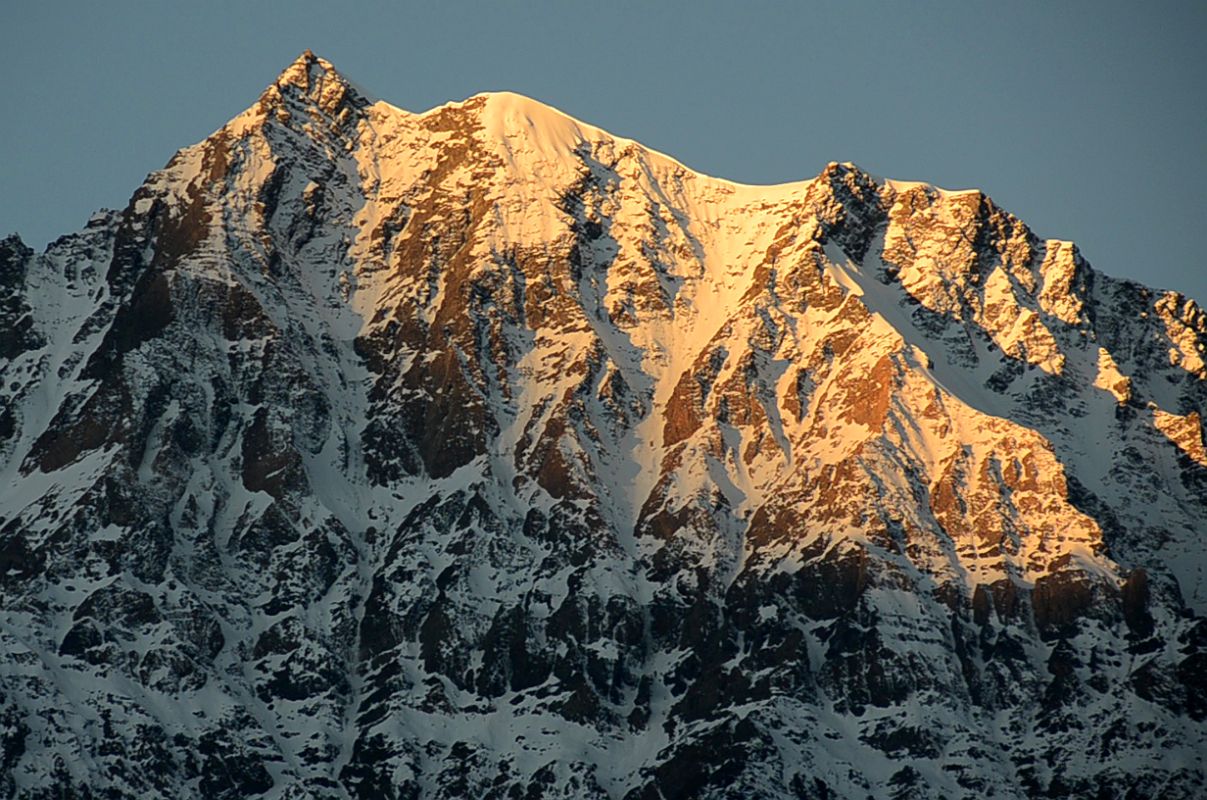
x=316 y=81
x=304 y=69
x=359 y=432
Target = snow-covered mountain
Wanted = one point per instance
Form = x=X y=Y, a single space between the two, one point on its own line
x=480 y=453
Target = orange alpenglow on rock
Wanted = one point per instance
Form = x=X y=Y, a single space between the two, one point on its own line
x=478 y=452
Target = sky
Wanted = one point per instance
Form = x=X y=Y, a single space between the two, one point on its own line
x=1086 y=119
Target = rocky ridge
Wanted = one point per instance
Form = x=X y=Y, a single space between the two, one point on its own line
x=482 y=453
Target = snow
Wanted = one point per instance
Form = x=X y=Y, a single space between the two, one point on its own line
x=699 y=266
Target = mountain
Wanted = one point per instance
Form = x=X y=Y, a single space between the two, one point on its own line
x=480 y=453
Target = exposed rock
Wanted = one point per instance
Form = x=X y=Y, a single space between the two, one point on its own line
x=479 y=453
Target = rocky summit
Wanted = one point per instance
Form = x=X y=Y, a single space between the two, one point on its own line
x=479 y=453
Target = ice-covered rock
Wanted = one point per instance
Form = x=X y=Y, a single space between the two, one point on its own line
x=481 y=453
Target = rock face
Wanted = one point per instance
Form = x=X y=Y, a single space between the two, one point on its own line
x=480 y=453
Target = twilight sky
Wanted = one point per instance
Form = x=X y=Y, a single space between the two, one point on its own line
x=1086 y=119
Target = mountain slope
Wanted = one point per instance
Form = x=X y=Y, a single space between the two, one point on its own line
x=481 y=453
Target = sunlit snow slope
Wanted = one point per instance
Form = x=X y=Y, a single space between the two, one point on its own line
x=480 y=453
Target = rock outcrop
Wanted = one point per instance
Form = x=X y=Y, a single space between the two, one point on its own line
x=481 y=453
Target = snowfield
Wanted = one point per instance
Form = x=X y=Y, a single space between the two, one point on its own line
x=480 y=453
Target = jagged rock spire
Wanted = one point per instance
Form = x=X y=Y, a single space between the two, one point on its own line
x=314 y=81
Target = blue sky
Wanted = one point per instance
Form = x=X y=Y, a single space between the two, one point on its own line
x=1088 y=120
